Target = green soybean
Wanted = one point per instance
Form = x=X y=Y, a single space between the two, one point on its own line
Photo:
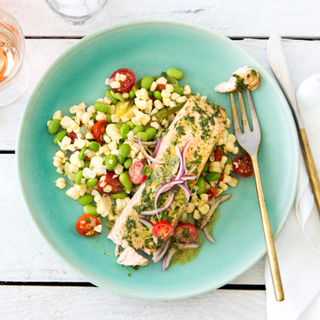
x=59 y=136
x=86 y=164
x=131 y=94
x=85 y=199
x=53 y=126
x=118 y=125
x=124 y=150
x=121 y=160
x=201 y=184
x=124 y=130
x=129 y=189
x=110 y=162
x=178 y=90
x=185 y=217
x=101 y=107
x=127 y=164
x=119 y=96
x=151 y=133
x=213 y=176
x=175 y=73
x=94 y=145
x=229 y=160
x=125 y=180
x=79 y=177
x=143 y=136
x=137 y=129
x=150 y=93
x=90 y=209
x=206 y=167
x=92 y=182
x=146 y=82
x=130 y=124
x=94 y=116
x=157 y=95
x=111 y=97
x=120 y=195
x=81 y=154
x=108 y=117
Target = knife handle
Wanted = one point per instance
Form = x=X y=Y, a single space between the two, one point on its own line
x=310 y=166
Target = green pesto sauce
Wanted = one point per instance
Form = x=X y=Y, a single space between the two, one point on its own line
x=240 y=83
x=182 y=257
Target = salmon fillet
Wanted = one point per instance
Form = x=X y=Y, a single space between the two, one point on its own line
x=202 y=124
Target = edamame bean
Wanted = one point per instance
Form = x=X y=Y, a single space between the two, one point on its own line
x=90 y=209
x=110 y=162
x=101 y=107
x=85 y=199
x=94 y=116
x=124 y=150
x=150 y=93
x=229 y=160
x=79 y=177
x=86 y=164
x=130 y=124
x=127 y=164
x=175 y=73
x=111 y=97
x=108 y=117
x=143 y=136
x=117 y=125
x=81 y=154
x=213 y=176
x=201 y=184
x=53 y=126
x=146 y=82
x=206 y=167
x=131 y=94
x=124 y=131
x=92 y=182
x=184 y=217
x=94 y=145
x=120 y=195
x=121 y=160
x=125 y=180
x=137 y=129
x=151 y=133
x=178 y=90
x=129 y=189
x=59 y=136
x=119 y=96
x=157 y=95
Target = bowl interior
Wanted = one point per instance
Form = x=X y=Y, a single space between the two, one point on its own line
x=148 y=48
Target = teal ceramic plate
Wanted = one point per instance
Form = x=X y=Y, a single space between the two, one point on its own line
x=147 y=48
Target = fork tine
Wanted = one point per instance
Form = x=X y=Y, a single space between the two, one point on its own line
x=235 y=119
x=255 y=122
x=245 y=122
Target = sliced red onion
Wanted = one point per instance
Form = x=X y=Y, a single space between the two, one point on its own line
x=208 y=235
x=155 y=240
x=168 y=186
x=167 y=258
x=186 y=191
x=192 y=169
x=158 y=210
x=158 y=254
x=181 y=167
x=157 y=147
x=184 y=153
x=149 y=143
x=145 y=153
x=182 y=246
x=146 y=222
x=188 y=177
x=214 y=204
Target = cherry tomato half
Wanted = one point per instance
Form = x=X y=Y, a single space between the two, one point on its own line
x=242 y=165
x=135 y=174
x=186 y=232
x=98 y=130
x=212 y=192
x=218 y=154
x=108 y=184
x=85 y=225
x=162 y=229
x=127 y=84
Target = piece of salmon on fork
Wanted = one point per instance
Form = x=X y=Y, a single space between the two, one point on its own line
x=198 y=126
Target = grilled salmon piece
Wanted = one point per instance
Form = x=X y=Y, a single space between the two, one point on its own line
x=202 y=124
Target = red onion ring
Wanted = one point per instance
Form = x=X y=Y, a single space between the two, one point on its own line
x=145 y=153
x=157 y=147
x=156 y=211
x=182 y=246
x=146 y=222
x=187 y=192
x=158 y=254
x=208 y=235
x=167 y=258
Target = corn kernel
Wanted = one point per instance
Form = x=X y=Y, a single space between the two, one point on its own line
x=201 y=203
x=190 y=207
x=227 y=178
x=73 y=193
x=229 y=146
x=166 y=101
x=204 y=197
x=204 y=209
x=118 y=169
x=215 y=169
x=57 y=115
x=204 y=98
x=155 y=125
x=169 y=88
x=187 y=90
x=196 y=215
x=101 y=116
x=181 y=99
x=231 y=137
x=235 y=150
x=223 y=186
x=115 y=84
x=161 y=80
x=98 y=228
x=228 y=169
x=153 y=86
x=165 y=94
x=233 y=183
x=158 y=104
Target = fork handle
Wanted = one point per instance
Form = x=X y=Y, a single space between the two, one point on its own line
x=271 y=250
x=312 y=171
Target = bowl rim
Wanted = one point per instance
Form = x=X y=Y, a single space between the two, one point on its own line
x=228 y=41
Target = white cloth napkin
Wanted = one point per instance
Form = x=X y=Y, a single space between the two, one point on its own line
x=298 y=245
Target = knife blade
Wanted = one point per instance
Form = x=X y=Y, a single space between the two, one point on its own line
x=280 y=68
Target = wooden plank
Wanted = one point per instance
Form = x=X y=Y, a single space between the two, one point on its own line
x=41 y=53
x=25 y=256
x=232 y=18
x=89 y=303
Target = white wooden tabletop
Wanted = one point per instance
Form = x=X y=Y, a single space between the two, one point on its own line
x=34 y=283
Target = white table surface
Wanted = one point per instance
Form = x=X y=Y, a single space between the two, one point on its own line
x=34 y=283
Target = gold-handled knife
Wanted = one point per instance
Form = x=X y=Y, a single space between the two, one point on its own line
x=279 y=65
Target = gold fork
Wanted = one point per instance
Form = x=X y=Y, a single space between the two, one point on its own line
x=249 y=141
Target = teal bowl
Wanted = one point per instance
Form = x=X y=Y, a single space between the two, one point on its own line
x=147 y=48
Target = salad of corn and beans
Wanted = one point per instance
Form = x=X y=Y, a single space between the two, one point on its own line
x=104 y=152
